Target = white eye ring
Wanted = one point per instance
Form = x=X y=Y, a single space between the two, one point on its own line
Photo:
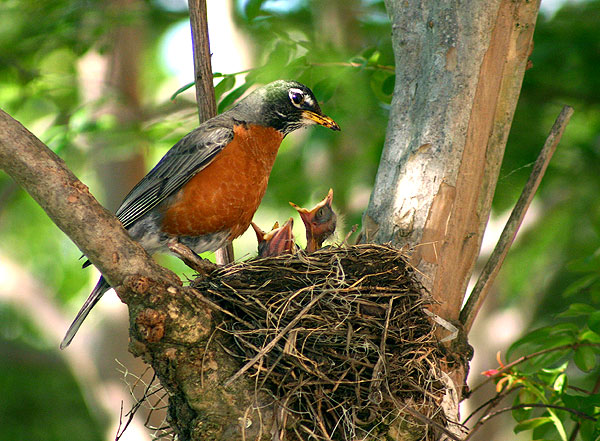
x=297 y=97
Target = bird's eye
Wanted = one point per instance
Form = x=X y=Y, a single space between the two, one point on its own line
x=296 y=97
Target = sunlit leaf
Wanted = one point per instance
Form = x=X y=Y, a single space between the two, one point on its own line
x=560 y=383
x=224 y=86
x=590 y=336
x=182 y=89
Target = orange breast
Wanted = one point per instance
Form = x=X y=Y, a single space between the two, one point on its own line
x=226 y=194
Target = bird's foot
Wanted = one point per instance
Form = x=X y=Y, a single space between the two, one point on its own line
x=202 y=266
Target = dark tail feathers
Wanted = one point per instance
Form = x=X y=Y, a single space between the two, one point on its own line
x=101 y=287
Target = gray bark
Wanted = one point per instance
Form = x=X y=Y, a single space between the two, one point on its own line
x=459 y=70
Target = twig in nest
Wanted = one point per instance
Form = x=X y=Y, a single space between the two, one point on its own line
x=350 y=233
x=491 y=268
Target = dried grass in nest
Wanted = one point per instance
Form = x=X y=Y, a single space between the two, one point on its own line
x=339 y=337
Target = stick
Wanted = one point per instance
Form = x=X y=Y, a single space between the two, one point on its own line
x=486 y=279
x=205 y=92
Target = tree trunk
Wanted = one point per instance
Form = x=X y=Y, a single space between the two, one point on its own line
x=459 y=69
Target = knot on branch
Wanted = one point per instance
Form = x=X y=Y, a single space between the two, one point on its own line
x=151 y=325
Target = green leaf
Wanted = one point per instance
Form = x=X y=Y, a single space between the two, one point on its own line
x=585 y=358
x=577 y=310
x=560 y=383
x=182 y=89
x=594 y=322
x=580 y=285
x=224 y=86
x=523 y=396
x=549 y=376
x=531 y=424
x=374 y=58
x=546 y=337
x=252 y=9
x=358 y=60
x=590 y=337
x=388 y=85
x=581 y=403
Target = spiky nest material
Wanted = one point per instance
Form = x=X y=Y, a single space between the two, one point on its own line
x=352 y=345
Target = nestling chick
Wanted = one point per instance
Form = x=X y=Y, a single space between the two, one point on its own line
x=278 y=241
x=320 y=222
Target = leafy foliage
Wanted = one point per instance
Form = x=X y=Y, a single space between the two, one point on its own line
x=554 y=396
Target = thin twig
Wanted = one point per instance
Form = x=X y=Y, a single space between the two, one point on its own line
x=491 y=268
x=355 y=64
x=205 y=92
x=492 y=402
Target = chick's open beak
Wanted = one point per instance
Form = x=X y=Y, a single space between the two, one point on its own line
x=322 y=120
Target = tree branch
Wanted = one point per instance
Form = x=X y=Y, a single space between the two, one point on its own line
x=491 y=268
x=68 y=202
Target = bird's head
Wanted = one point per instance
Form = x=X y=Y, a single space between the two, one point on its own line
x=287 y=106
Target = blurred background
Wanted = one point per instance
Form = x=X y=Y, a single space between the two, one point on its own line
x=94 y=80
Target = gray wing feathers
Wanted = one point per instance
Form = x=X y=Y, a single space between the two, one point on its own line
x=186 y=158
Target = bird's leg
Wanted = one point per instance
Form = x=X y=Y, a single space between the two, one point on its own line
x=202 y=266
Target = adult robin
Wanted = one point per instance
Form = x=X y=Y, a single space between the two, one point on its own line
x=206 y=189
x=278 y=241
x=320 y=222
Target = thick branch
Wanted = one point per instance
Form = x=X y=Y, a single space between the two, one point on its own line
x=68 y=202
x=171 y=325
x=491 y=268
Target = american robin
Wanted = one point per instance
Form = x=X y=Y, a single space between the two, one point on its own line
x=205 y=190
x=320 y=222
x=278 y=241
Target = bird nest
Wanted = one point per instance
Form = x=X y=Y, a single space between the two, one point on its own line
x=339 y=338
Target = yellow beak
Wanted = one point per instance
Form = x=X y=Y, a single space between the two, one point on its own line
x=322 y=120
